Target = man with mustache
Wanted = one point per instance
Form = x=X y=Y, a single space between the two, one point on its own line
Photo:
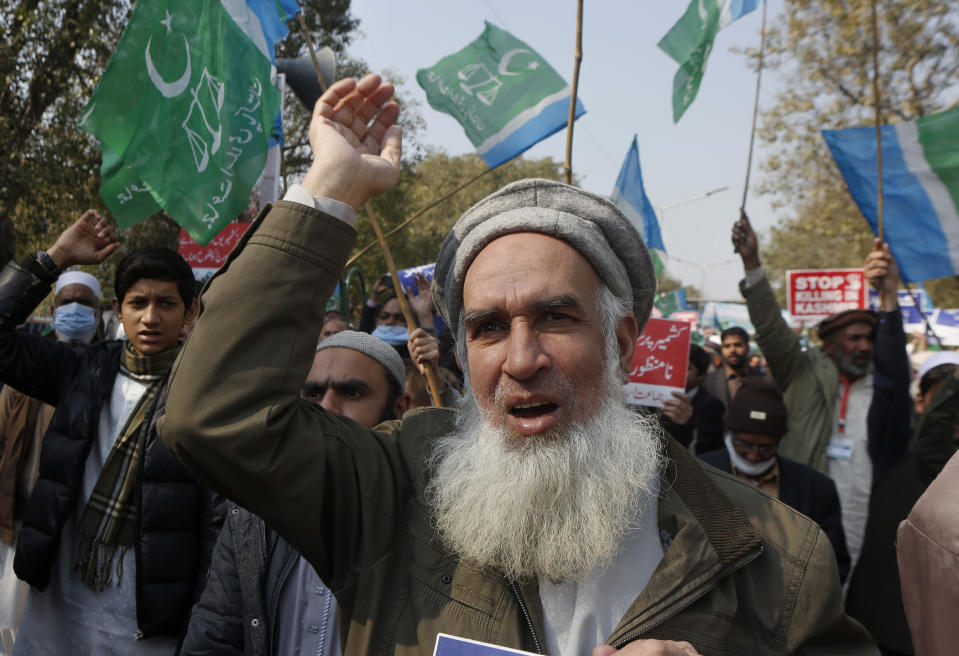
x=847 y=418
x=541 y=514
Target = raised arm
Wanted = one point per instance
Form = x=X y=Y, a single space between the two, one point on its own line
x=891 y=407
x=32 y=364
x=776 y=339
x=233 y=414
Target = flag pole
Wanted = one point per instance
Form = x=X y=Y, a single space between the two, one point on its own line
x=752 y=132
x=568 y=167
x=418 y=214
x=877 y=104
x=309 y=43
x=432 y=378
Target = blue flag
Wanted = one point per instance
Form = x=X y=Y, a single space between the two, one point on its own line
x=920 y=161
x=630 y=197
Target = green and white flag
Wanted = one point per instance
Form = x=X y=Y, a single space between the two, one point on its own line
x=690 y=41
x=184 y=109
x=670 y=302
x=502 y=92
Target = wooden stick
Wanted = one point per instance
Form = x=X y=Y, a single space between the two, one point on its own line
x=432 y=378
x=752 y=132
x=568 y=167
x=878 y=105
x=309 y=42
x=418 y=214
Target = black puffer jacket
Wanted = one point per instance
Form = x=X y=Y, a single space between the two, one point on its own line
x=175 y=530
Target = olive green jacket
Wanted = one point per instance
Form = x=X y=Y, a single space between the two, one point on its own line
x=808 y=380
x=743 y=574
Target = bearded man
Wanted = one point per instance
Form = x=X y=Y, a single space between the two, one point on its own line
x=541 y=514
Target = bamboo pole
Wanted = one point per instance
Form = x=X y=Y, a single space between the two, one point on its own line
x=878 y=105
x=309 y=43
x=568 y=167
x=752 y=132
x=432 y=377
x=418 y=214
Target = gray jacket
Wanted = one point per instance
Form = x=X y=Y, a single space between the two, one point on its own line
x=238 y=611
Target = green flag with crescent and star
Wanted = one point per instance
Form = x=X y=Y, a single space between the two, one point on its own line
x=183 y=112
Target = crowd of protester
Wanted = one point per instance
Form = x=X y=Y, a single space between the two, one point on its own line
x=265 y=477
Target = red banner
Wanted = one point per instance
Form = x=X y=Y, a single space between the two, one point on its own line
x=204 y=260
x=659 y=362
x=814 y=294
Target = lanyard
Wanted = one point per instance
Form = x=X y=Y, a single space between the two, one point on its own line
x=843 y=404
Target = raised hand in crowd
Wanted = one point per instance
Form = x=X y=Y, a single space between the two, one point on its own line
x=424 y=348
x=882 y=272
x=422 y=302
x=678 y=409
x=88 y=241
x=382 y=285
x=745 y=242
x=354 y=159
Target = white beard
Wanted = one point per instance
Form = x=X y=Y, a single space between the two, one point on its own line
x=553 y=506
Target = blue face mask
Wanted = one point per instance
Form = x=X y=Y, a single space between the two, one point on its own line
x=392 y=335
x=74 y=321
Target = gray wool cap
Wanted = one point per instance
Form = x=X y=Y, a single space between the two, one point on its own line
x=374 y=347
x=588 y=222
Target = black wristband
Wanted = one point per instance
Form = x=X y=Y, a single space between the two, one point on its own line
x=48 y=264
x=31 y=264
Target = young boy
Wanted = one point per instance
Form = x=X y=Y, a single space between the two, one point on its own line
x=113 y=533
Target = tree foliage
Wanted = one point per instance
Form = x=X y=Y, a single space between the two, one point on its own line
x=822 y=50
x=52 y=54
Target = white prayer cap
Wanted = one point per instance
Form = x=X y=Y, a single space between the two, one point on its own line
x=78 y=278
x=938 y=359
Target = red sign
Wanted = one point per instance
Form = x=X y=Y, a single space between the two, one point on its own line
x=814 y=294
x=204 y=260
x=659 y=362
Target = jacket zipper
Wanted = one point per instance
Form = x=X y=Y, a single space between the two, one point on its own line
x=742 y=563
x=326 y=622
x=529 y=621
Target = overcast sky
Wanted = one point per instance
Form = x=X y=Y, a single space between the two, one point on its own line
x=625 y=84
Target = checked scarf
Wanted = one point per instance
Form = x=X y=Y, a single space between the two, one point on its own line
x=108 y=523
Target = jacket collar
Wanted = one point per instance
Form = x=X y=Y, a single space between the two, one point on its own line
x=711 y=538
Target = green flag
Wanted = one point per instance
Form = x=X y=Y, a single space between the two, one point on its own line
x=670 y=302
x=183 y=112
x=502 y=92
x=690 y=41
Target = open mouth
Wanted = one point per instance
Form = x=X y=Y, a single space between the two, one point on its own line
x=532 y=410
